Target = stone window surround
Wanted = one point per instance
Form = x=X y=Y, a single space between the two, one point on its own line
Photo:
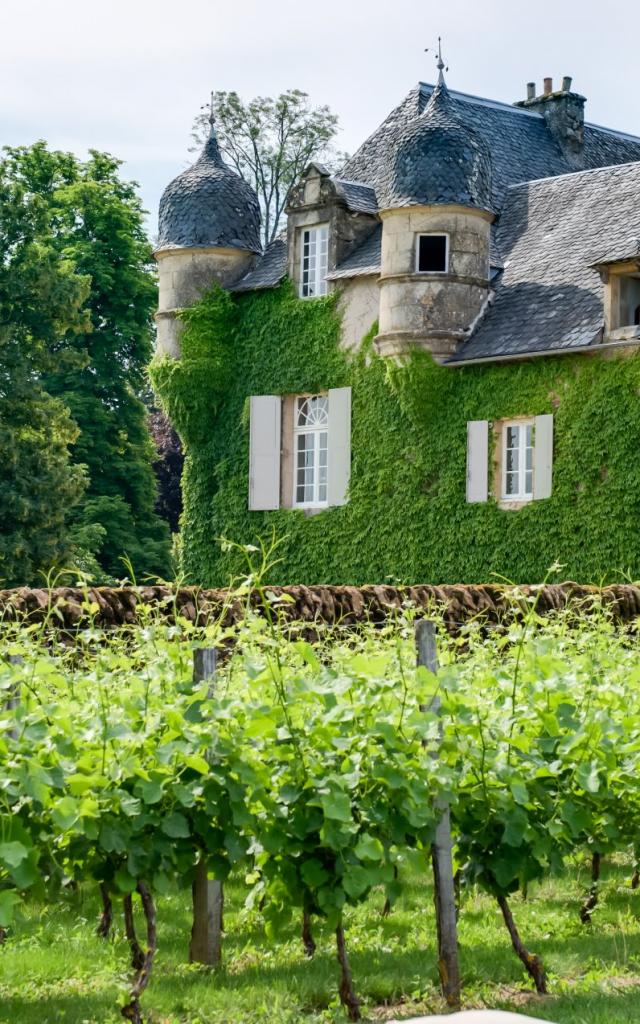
x=431 y=234
x=317 y=282
x=288 y=454
x=498 y=429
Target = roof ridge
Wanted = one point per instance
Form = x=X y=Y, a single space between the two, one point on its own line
x=612 y=131
x=468 y=97
x=573 y=174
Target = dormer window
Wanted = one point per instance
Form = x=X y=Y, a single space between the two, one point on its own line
x=629 y=301
x=432 y=254
x=621 y=279
x=314 y=261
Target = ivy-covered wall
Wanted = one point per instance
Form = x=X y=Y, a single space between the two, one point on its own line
x=407 y=519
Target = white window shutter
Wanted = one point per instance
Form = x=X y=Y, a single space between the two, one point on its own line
x=264 y=452
x=543 y=457
x=477 y=460
x=339 y=454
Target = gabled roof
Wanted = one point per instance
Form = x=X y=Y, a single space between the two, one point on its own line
x=550 y=297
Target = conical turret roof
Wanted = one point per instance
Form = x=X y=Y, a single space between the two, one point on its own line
x=209 y=205
x=440 y=160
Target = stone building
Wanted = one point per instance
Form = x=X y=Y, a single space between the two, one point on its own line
x=472 y=234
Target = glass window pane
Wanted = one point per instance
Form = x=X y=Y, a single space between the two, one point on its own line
x=513 y=457
x=513 y=437
x=528 y=485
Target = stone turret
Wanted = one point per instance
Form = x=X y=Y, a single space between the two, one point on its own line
x=209 y=230
x=436 y=219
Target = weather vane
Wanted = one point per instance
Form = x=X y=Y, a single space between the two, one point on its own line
x=439 y=61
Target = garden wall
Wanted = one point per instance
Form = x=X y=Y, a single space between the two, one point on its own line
x=71 y=607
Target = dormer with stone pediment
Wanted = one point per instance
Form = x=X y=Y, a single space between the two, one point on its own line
x=327 y=219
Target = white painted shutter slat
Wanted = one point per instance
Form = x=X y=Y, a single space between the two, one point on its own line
x=543 y=456
x=339 y=454
x=264 y=452
x=477 y=460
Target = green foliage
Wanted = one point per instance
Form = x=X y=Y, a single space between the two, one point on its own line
x=313 y=770
x=407 y=518
x=41 y=301
x=93 y=222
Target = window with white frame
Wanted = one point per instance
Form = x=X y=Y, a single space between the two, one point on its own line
x=517 y=460
x=311 y=449
x=314 y=261
x=432 y=254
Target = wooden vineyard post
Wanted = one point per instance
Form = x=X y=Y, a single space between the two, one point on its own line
x=206 y=932
x=441 y=855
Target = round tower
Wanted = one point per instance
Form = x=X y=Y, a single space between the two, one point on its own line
x=436 y=219
x=209 y=230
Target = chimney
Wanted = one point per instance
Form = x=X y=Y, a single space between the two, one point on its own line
x=563 y=112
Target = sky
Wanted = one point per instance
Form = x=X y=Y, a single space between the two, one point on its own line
x=128 y=76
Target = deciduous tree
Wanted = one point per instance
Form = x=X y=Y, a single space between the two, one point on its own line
x=97 y=223
x=270 y=142
x=42 y=301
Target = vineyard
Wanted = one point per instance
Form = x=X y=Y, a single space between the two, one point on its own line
x=307 y=777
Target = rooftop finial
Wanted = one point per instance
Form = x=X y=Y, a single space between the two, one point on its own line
x=209 y=107
x=440 y=64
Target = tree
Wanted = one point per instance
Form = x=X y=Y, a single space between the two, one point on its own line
x=98 y=225
x=168 y=468
x=270 y=142
x=41 y=305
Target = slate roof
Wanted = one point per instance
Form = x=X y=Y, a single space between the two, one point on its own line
x=550 y=298
x=363 y=260
x=522 y=148
x=438 y=158
x=630 y=250
x=358 y=197
x=267 y=270
x=209 y=205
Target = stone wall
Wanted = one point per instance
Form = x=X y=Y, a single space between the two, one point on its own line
x=183 y=277
x=71 y=607
x=359 y=306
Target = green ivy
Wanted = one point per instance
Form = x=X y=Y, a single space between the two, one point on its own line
x=407 y=518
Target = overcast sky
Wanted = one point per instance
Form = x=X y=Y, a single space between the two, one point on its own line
x=128 y=76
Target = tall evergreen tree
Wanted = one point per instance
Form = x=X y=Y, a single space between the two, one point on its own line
x=41 y=303
x=99 y=226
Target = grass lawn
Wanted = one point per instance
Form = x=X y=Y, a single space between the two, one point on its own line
x=54 y=969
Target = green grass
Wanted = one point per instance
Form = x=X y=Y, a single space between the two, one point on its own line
x=54 y=969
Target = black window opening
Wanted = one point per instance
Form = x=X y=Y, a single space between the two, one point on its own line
x=636 y=317
x=432 y=254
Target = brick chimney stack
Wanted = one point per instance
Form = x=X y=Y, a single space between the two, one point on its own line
x=563 y=110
